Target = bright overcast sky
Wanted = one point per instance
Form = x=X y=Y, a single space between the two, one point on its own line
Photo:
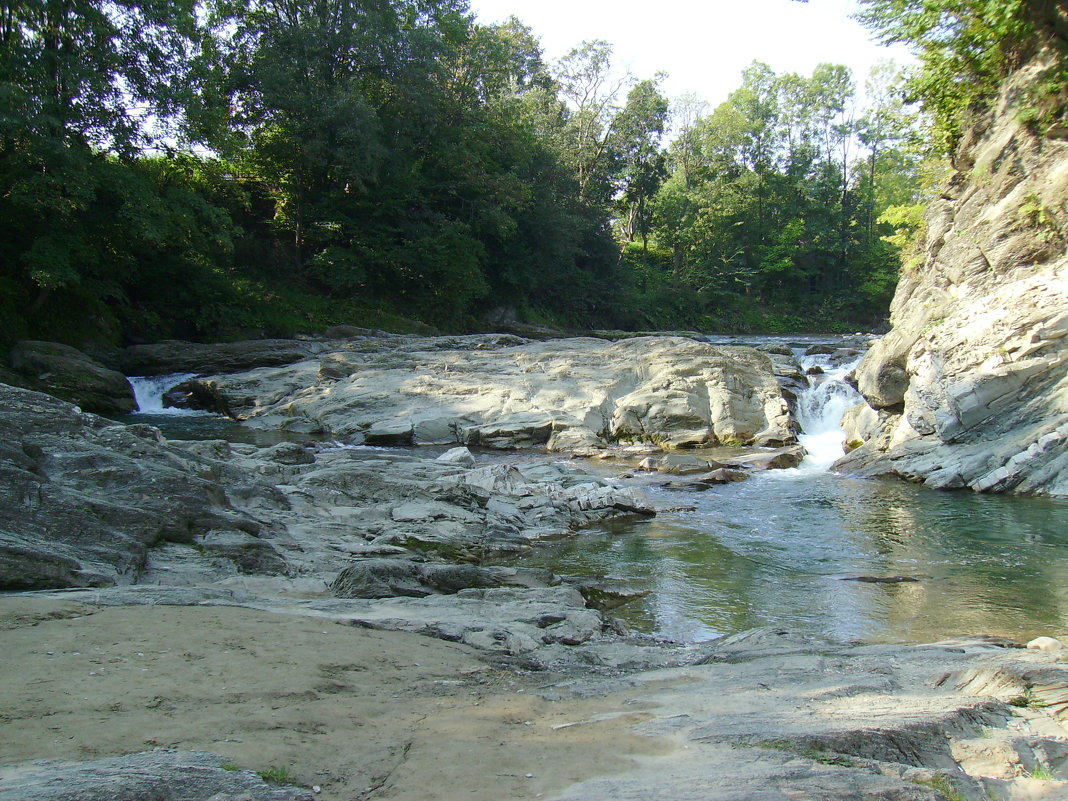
x=703 y=46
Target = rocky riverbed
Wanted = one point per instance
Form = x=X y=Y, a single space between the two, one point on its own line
x=182 y=616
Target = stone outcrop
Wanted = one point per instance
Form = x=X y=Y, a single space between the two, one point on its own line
x=501 y=392
x=69 y=374
x=86 y=499
x=970 y=387
x=96 y=503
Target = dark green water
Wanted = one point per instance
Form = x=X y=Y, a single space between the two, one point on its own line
x=774 y=550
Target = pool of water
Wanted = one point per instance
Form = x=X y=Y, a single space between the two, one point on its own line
x=780 y=549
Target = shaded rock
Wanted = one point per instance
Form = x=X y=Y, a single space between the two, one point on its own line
x=162 y=358
x=148 y=776
x=820 y=350
x=678 y=464
x=250 y=554
x=290 y=453
x=97 y=497
x=772 y=459
x=389 y=433
x=722 y=475
x=67 y=373
x=386 y=578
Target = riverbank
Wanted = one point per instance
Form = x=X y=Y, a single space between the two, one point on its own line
x=355 y=615
x=365 y=714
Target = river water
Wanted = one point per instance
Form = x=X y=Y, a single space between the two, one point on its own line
x=783 y=547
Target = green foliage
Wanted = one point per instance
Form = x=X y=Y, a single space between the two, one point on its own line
x=1042 y=772
x=942 y=785
x=383 y=162
x=275 y=775
x=966 y=48
x=771 y=221
x=909 y=232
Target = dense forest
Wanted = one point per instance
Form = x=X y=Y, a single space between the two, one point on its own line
x=221 y=169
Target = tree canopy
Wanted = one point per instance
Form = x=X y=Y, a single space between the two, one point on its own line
x=219 y=169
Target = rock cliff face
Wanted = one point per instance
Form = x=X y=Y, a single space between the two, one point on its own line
x=970 y=387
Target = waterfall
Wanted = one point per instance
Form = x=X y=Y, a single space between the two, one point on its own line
x=820 y=409
x=149 y=392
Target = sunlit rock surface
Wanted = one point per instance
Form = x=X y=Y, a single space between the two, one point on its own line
x=503 y=392
x=970 y=388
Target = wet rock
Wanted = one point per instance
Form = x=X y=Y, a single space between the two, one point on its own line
x=607 y=595
x=880 y=579
x=67 y=373
x=723 y=475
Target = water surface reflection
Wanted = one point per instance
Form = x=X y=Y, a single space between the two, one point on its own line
x=777 y=550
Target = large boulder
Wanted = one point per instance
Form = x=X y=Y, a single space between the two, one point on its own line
x=87 y=499
x=970 y=387
x=569 y=394
x=69 y=374
x=163 y=358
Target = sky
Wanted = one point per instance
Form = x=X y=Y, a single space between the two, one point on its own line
x=703 y=46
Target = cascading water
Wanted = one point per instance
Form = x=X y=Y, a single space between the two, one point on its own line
x=820 y=408
x=149 y=392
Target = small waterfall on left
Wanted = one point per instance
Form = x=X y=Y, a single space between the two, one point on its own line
x=820 y=409
x=149 y=392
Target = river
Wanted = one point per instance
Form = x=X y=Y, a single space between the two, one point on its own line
x=784 y=548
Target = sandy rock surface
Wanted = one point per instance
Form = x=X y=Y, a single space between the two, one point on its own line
x=366 y=714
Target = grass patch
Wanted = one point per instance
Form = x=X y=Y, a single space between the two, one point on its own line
x=1027 y=700
x=941 y=785
x=231 y=766
x=275 y=775
x=1042 y=772
x=808 y=752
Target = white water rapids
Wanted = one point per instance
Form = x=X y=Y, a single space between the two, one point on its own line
x=820 y=408
x=149 y=391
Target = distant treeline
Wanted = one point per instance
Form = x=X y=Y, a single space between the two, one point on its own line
x=224 y=169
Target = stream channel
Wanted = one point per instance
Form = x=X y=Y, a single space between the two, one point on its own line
x=784 y=547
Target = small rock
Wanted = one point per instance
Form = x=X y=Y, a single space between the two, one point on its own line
x=461 y=456
x=1050 y=644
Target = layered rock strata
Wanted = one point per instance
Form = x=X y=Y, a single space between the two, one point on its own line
x=970 y=387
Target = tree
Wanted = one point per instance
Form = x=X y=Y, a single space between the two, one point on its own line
x=636 y=142
x=591 y=93
x=79 y=79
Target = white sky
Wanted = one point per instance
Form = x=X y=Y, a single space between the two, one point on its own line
x=702 y=45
